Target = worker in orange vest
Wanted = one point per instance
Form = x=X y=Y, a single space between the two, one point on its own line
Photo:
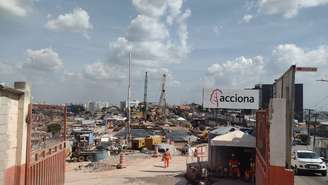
x=250 y=171
x=166 y=158
x=234 y=166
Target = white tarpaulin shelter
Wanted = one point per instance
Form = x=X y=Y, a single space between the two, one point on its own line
x=234 y=139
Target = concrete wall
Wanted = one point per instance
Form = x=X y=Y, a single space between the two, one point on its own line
x=13 y=133
x=277 y=120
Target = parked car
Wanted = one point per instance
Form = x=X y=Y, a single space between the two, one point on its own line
x=308 y=161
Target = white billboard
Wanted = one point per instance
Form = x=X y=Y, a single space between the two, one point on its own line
x=231 y=98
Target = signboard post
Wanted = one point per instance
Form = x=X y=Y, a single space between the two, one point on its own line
x=307 y=69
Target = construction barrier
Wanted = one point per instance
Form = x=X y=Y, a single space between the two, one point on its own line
x=123 y=161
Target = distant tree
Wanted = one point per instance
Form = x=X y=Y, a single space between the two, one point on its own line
x=76 y=109
x=54 y=129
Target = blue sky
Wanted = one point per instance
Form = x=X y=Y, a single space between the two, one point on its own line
x=77 y=51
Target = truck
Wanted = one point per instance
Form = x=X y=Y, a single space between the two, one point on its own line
x=84 y=147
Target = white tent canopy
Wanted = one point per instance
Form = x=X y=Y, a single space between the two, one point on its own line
x=234 y=139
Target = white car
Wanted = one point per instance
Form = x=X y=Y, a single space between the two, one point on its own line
x=308 y=161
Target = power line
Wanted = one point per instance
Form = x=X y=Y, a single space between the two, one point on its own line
x=319 y=103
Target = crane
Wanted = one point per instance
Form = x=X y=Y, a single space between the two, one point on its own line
x=162 y=99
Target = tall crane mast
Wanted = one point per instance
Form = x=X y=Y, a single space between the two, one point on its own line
x=162 y=99
x=129 y=134
x=145 y=97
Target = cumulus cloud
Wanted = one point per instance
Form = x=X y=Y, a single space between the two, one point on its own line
x=144 y=28
x=287 y=8
x=245 y=72
x=239 y=72
x=285 y=55
x=76 y=21
x=174 y=7
x=247 y=18
x=151 y=38
x=292 y=54
x=101 y=71
x=156 y=38
x=44 y=60
x=150 y=8
x=15 y=7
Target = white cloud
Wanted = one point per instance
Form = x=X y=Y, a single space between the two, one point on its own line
x=286 y=55
x=174 y=10
x=15 y=7
x=217 y=29
x=287 y=8
x=156 y=37
x=291 y=54
x=43 y=60
x=183 y=29
x=144 y=28
x=247 y=18
x=150 y=8
x=101 y=71
x=151 y=38
x=245 y=72
x=76 y=21
x=240 y=72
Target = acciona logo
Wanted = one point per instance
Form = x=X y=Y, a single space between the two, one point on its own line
x=217 y=97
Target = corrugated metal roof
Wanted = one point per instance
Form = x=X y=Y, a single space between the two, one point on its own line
x=223 y=130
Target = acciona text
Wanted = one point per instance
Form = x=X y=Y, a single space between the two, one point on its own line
x=236 y=98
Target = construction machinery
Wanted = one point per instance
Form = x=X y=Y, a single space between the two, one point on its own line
x=162 y=99
x=138 y=143
x=151 y=141
x=145 y=97
x=84 y=148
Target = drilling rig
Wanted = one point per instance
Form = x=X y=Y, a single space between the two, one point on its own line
x=162 y=99
x=145 y=97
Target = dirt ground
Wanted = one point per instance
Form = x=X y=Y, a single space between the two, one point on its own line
x=140 y=171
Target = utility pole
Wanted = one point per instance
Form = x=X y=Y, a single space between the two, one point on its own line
x=145 y=97
x=129 y=105
x=203 y=94
x=308 y=121
x=315 y=129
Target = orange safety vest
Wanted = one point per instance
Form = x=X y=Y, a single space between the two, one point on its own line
x=167 y=155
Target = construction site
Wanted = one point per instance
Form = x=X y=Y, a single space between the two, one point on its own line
x=160 y=143
x=163 y=92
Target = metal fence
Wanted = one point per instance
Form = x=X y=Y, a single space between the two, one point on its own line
x=45 y=164
x=262 y=148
